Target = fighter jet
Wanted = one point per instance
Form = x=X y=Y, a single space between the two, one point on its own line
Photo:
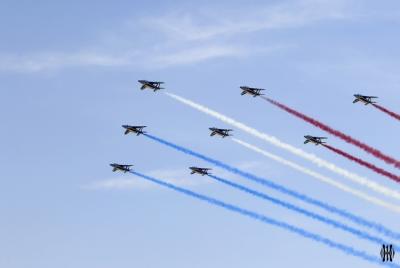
x=315 y=140
x=135 y=129
x=154 y=85
x=123 y=168
x=220 y=131
x=201 y=171
x=364 y=99
x=251 y=91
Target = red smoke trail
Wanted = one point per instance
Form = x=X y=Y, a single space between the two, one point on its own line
x=337 y=133
x=364 y=163
x=383 y=109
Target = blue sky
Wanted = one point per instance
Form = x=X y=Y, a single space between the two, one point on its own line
x=68 y=79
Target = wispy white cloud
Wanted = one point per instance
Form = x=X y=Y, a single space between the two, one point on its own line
x=45 y=61
x=198 y=54
x=292 y=14
x=184 y=38
x=180 y=177
x=176 y=176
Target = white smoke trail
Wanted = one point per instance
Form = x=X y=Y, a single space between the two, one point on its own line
x=319 y=176
x=275 y=141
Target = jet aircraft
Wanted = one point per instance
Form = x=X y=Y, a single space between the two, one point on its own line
x=364 y=99
x=251 y=91
x=135 y=129
x=201 y=171
x=220 y=132
x=154 y=85
x=315 y=140
x=123 y=168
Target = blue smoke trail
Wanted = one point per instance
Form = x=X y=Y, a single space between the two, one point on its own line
x=267 y=220
x=378 y=227
x=312 y=215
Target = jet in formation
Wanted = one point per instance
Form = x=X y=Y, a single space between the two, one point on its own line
x=364 y=99
x=220 y=132
x=154 y=85
x=315 y=140
x=134 y=129
x=201 y=171
x=251 y=91
x=119 y=167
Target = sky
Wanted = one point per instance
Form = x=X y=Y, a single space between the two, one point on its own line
x=68 y=81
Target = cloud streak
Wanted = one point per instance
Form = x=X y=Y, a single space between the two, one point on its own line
x=178 y=176
x=183 y=38
x=231 y=23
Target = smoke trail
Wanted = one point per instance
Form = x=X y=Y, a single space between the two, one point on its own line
x=337 y=133
x=383 y=109
x=270 y=221
x=378 y=227
x=364 y=163
x=319 y=176
x=294 y=150
x=305 y=212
